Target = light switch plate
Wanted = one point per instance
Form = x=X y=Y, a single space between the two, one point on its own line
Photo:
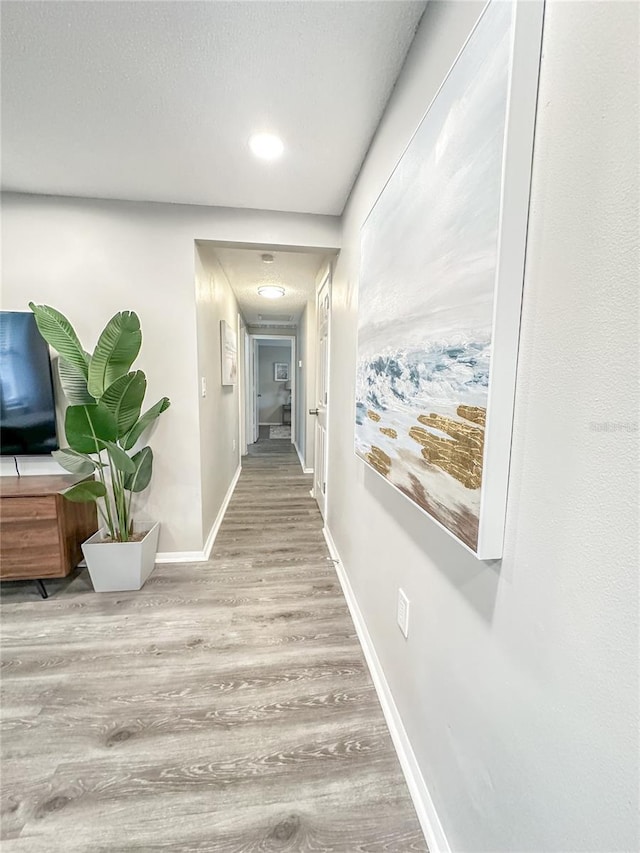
x=403 y=612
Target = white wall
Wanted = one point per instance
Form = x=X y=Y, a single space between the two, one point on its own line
x=91 y=258
x=273 y=394
x=219 y=411
x=518 y=684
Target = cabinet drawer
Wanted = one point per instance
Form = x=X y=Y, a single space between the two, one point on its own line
x=27 y=509
x=29 y=539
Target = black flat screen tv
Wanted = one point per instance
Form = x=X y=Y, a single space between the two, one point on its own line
x=27 y=407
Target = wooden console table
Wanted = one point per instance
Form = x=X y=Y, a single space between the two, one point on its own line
x=40 y=531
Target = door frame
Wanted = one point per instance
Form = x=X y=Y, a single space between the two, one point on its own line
x=255 y=339
x=327 y=279
x=242 y=386
x=246 y=364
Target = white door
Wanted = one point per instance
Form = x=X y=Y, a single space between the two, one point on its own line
x=323 y=318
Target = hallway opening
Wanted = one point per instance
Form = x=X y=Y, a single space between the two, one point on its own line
x=277 y=301
x=271 y=376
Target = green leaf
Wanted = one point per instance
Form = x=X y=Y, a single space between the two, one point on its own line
x=119 y=458
x=60 y=334
x=146 y=420
x=143 y=461
x=74 y=383
x=77 y=463
x=124 y=399
x=115 y=352
x=86 y=427
x=89 y=490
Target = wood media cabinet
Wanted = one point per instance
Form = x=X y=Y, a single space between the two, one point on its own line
x=41 y=532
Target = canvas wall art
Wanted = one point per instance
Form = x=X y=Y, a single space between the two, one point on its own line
x=441 y=270
x=229 y=346
x=281 y=372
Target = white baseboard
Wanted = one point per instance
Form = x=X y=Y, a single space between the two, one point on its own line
x=180 y=557
x=211 y=538
x=422 y=801
x=202 y=556
x=304 y=470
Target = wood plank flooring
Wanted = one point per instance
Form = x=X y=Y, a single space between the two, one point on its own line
x=225 y=707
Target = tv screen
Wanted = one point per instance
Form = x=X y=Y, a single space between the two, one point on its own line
x=27 y=408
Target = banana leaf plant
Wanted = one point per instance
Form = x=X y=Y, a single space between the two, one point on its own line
x=104 y=419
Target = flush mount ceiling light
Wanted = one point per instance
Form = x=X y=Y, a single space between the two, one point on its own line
x=267 y=259
x=270 y=291
x=267 y=146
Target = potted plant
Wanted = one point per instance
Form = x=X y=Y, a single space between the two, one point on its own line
x=103 y=424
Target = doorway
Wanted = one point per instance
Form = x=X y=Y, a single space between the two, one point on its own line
x=271 y=362
x=323 y=321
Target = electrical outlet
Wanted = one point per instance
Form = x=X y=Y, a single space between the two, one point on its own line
x=203 y=386
x=233 y=446
x=403 y=612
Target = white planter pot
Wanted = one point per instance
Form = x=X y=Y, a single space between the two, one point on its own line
x=120 y=566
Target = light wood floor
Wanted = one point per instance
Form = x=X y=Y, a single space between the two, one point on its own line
x=225 y=707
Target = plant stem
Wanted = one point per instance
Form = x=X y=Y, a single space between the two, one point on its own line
x=107 y=503
x=117 y=496
x=129 y=510
x=122 y=514
x=102 y=515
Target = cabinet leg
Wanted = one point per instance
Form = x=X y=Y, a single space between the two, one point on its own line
x=42 y=588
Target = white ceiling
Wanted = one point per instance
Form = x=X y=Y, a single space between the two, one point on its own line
x=246 y=272
x=155 y=101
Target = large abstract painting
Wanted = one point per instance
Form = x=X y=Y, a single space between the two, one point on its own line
x=440 y=287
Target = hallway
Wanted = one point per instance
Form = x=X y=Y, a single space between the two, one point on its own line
x=264 y=444
x=225 y=707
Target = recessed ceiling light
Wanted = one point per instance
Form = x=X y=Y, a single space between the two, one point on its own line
x=271 y=291
x=267 y=259
x=267 y=146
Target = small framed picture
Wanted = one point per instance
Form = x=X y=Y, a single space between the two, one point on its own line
x=281 y=372
x=229 y=347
